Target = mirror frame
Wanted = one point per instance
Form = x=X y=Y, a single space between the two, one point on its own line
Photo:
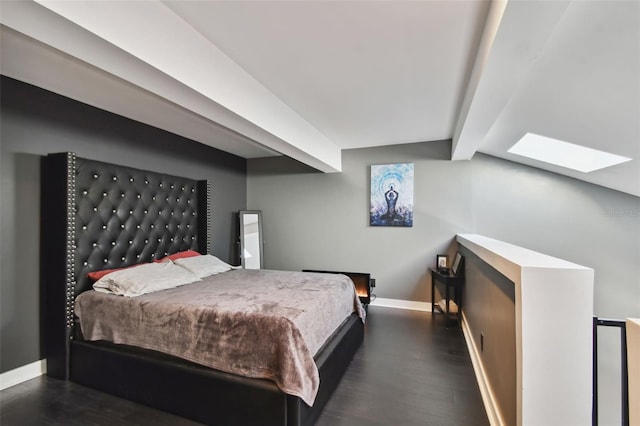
x=241 y=215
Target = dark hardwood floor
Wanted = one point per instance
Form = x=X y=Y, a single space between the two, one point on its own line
x=411 y=370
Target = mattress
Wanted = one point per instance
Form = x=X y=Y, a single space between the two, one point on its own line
x=254 y=323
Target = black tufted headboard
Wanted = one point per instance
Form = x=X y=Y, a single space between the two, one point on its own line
x=96 y=216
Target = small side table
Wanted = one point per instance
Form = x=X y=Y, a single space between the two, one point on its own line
x=450 y=282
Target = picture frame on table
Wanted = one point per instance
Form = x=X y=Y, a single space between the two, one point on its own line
x=456 y=268
x=442 y=263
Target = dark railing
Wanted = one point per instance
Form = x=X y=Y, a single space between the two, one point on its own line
x=623 y=363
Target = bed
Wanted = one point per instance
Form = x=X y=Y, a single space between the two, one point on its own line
x=100 y=216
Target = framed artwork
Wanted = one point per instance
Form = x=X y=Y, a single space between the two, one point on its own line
x=391 y=195
x=457 y=263
x=442 y=262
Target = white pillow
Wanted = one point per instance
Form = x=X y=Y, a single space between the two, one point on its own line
x=204 y=265
x=146 y=278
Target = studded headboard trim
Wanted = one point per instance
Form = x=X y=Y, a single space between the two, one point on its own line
x=70 y=240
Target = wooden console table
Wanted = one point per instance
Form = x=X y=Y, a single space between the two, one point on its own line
x=450 y=282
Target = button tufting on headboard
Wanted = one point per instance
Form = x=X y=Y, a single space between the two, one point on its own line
x=127 y=216
x=101 y=216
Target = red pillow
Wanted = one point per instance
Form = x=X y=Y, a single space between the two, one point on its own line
x=180 y=255
x=96 y=275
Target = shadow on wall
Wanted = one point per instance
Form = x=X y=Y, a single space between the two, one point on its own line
x=283 y=165
x=278 y=166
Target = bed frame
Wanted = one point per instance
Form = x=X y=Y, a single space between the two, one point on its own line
x=98 y=216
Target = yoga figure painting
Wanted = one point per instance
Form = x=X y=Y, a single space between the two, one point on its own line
x=391 y=195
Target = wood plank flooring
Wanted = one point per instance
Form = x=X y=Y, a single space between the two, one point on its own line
x=411 y=370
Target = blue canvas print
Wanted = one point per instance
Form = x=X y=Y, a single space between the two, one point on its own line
x=391 y=195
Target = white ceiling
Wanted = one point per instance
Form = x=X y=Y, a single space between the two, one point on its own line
x=307 y=79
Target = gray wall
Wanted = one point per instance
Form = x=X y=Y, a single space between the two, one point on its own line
x=567 y=218
x=314 y=220
x=577 y=221
x=36 y=122
x=320 y=221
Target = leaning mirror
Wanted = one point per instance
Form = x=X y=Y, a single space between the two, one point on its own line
x=251 y=239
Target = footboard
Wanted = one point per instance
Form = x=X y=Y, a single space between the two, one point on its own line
x=205 y=395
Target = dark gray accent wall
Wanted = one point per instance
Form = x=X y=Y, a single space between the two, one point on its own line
x=35 y=122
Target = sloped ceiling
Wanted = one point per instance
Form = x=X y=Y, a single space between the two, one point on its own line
x=307 y=79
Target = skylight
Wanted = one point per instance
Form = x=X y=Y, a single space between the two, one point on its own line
x=565 y=154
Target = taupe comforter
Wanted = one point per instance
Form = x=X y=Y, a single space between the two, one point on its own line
x=254 y=323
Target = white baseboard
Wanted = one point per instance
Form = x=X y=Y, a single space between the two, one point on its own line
x=488 y=398
x=402 y=304
x=22 y=374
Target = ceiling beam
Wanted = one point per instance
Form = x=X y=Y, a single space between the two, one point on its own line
x=143 y=43
x=514 y=35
